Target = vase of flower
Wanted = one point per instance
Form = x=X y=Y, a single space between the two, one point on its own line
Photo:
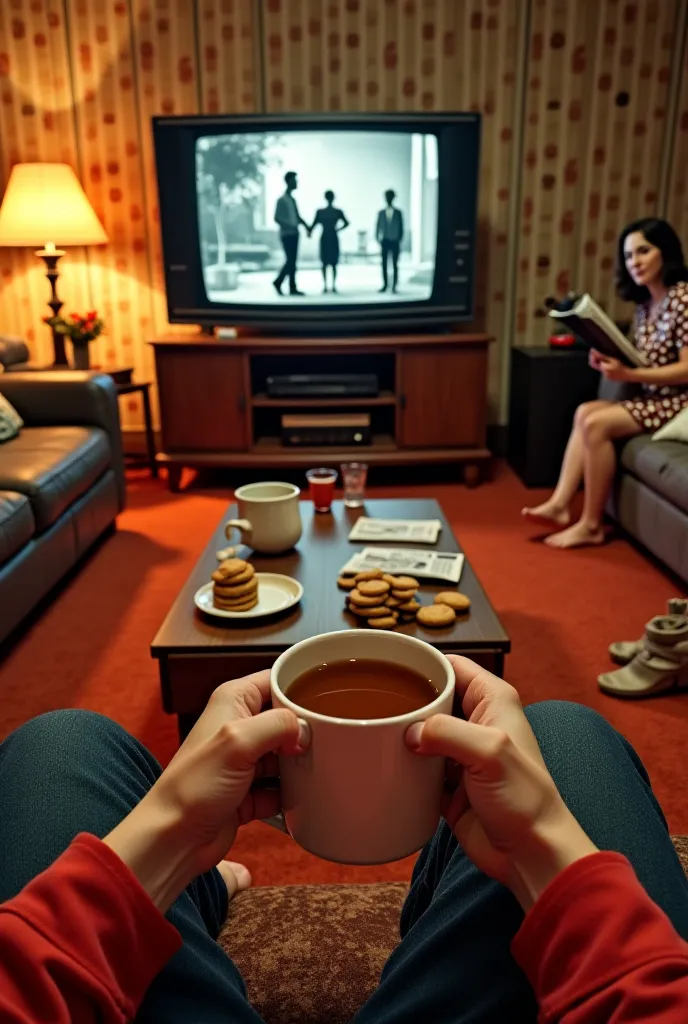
x=81 y=357
x=81 y=330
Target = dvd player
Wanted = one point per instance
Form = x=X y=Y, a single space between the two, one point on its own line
x=323 y=385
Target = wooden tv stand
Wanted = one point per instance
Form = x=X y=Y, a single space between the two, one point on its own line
x=215 y=411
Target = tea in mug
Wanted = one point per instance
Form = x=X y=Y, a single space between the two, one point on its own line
x=361 y=688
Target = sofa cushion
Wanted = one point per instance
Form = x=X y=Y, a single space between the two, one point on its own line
x=17 y=525
x=53 y=466
x=662 y=465
x=10 y=420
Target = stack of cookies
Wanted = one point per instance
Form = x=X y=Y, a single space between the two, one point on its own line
x=379 y=599
x=235 y=586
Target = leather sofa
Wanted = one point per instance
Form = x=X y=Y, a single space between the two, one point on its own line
x=61 y=481
x=650 y=495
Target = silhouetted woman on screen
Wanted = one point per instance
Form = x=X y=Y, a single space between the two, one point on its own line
x=332 y=222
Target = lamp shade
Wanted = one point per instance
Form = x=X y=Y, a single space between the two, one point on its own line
x=45 y=203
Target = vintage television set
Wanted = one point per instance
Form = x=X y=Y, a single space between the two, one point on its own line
x=294 y=223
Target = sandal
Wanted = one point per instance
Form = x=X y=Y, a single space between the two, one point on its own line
x=661 y=665
x=624 y=651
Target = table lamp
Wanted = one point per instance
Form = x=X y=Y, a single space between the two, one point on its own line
x=44 y=204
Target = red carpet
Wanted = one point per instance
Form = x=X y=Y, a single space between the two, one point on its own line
x=561 y=609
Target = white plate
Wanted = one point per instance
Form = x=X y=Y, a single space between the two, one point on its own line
x=275 y=594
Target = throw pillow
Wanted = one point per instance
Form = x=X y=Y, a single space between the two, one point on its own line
x=675 y=430
x=10 y=420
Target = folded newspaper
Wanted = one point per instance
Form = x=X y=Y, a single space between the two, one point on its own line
x=416 y=531
x=433 y=565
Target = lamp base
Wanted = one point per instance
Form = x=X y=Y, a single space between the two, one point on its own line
x=50 y=258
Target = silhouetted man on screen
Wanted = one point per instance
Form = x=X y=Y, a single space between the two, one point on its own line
x=389 y=233
x=288 y=217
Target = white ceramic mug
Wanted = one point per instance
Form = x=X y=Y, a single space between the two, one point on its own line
x=269 y=521
x=358 y=795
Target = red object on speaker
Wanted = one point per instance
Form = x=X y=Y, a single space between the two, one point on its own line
x=562 y=340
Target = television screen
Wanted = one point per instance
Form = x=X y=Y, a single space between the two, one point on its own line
x=318 y=221
x=330 y=216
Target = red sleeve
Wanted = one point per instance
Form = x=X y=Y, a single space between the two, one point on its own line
x=81 y=942
x=596 y=949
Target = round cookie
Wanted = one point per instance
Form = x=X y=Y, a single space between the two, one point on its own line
x=364 y=600
x=392 y=602
x=241 y=577
x=368 y=574
x=225 y=590
x=406 y=583
x=230 y=601
x=403 y=595
x=410 y=607
x=230 y=567
x=436 y=615
x=392 y=580
x=453 y=599
x=384 y=622
x=346 y=582
x=373 y=588
x=370 y=613
x=246 y=607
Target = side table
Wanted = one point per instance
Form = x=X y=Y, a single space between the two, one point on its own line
x=547 y=385
x=131 y=388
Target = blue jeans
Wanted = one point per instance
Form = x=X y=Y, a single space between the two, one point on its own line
x=71 y=771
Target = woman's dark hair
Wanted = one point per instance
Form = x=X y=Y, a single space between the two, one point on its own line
x=662 y=235
x=329 y=195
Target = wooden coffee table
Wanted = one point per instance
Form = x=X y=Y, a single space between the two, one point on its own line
x=196 y=653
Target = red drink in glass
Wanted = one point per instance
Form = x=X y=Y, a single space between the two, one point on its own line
x=321 y=483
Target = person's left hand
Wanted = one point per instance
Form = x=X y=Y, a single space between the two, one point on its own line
x=612 y=369
x=215 y=782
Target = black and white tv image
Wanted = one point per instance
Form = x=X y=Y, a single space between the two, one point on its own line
x=319 y=222
x=329 y=216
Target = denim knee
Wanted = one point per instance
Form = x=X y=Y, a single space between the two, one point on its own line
x=568 y=715
x=69 y=729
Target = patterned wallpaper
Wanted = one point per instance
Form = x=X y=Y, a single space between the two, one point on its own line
x=585 y=127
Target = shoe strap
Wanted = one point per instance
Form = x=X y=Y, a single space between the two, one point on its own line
x=677 y=653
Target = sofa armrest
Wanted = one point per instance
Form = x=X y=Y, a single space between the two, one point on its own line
x=71 y=398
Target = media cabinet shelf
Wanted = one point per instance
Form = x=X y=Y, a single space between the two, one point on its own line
x=215 y=411
x=380 y=444
x=263 y=401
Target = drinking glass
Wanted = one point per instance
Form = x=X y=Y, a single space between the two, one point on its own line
x=321 y=482
x=354 y=478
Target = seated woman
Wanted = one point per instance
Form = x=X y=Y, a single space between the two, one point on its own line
x=332 y=222
x=651 y=272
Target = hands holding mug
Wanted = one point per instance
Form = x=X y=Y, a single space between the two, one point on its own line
x=501 y=801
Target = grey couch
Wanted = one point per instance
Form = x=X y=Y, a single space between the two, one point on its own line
x=61 y=482
x=650 y=495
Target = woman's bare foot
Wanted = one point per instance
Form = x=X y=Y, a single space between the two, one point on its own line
x=236 y=877
x=548 y=513
x=576 y=536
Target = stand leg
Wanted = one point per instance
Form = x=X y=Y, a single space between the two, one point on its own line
x=174 y=476
x=471 y=474
x=150 y=439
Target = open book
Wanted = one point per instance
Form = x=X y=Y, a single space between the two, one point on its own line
x=592 y=325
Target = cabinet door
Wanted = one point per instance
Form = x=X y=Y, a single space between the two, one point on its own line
x=202 y=399
x=443 y=394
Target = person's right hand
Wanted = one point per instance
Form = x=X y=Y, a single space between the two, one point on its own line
x=505 y=811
